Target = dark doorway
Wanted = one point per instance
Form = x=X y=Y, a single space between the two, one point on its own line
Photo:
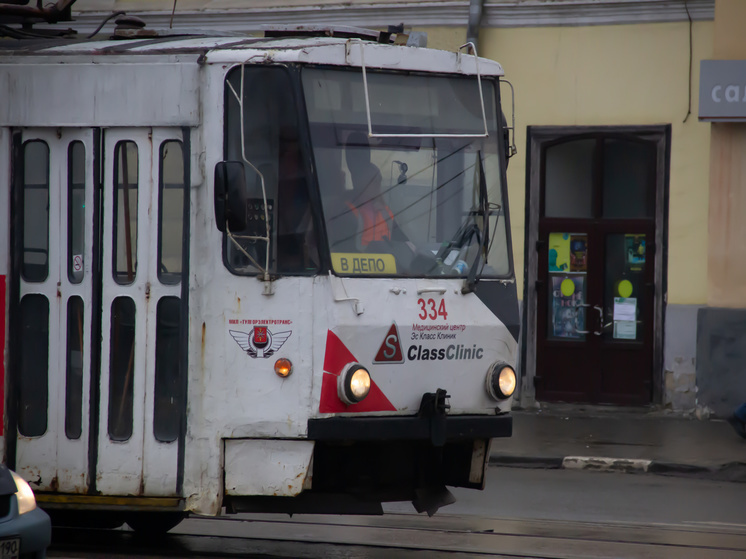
x=597 y=281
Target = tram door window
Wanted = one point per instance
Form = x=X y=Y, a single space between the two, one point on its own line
x=35 y=266
x=124 y=264
x=32 y=420
x=76 y=323
x=74 y=372
x=143 y=230
x=53 y=354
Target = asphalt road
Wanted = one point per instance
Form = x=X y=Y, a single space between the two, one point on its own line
x=522 y=513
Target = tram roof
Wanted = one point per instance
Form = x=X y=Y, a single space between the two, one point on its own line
x=240 y=48
x=109 y=82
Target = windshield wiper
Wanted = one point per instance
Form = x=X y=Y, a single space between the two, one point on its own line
x=484 y=210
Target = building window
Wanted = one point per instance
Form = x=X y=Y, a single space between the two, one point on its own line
x=569 y=179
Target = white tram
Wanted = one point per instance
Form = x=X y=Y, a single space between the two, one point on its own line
x=261 y=273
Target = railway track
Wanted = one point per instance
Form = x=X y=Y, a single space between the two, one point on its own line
x=406 y=536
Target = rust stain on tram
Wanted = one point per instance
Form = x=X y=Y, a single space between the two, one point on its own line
x=204 y=334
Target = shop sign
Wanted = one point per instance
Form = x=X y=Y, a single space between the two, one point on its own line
x=722 y=90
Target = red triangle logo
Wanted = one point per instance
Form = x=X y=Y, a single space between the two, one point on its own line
x=390 y=350
x=336 y=357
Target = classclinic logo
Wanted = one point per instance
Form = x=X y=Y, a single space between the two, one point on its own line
x=390 y=350
x=260 y=342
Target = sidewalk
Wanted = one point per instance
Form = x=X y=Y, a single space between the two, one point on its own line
x=619 y=439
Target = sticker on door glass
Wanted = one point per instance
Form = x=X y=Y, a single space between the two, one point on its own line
x=559 y=252
x=578 y=253
x=568 y=317
x=625 y=318
x=634 y=246
x=78 y=263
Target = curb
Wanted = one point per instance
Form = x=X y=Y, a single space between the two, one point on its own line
x=603 y=464
x=731 y=471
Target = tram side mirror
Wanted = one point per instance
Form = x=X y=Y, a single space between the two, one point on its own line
x=230 y=195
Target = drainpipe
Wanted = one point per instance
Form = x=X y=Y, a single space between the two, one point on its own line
x=475 y=17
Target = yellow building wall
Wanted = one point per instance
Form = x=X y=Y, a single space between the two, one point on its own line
x=612 y=75
x=727 y=231
x=730 y=38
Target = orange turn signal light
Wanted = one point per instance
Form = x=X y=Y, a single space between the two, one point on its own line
x=283 y=367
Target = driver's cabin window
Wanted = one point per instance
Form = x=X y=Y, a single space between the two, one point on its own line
x=276 y=165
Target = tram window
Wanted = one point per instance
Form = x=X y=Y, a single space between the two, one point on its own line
x=272 y=144
x=74 y=375
x=415 y=202
x=167 y=401
x=35 y=267
x=121 y=368
x=124 y=265
x=171 y=214
x=34 y=366
x=75 y=211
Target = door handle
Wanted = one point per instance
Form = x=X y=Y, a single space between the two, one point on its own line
x=600 y=320
x=600 y=310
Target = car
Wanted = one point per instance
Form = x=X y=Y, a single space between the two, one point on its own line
x=25 y=529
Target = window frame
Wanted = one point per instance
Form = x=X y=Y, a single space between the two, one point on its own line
x=306 y=154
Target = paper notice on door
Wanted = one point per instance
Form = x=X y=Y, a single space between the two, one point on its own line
x=625 y=318
x=625 y=308
x=625 y=329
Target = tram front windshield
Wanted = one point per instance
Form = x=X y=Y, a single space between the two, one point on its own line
x=407 y=201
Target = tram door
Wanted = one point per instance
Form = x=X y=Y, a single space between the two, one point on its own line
x=143 y=183
x=55 y=311
x=129 y=384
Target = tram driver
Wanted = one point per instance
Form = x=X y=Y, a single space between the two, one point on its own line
x=374 y=219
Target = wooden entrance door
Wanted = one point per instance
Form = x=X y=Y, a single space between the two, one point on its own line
x=595 y=287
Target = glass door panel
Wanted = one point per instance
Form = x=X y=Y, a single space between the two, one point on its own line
x=624 y=287
x=569 y=179
x=567 y=265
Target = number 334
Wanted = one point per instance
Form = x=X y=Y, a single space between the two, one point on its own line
x=429 y=309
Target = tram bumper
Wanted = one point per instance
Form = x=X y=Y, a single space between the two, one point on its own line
x=431 y=422
x=411 y=428
x=395 y=458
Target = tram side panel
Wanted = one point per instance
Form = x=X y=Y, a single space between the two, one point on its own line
x=242 y=416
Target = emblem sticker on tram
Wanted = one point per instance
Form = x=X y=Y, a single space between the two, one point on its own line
x=260 y=342
x=390 y=350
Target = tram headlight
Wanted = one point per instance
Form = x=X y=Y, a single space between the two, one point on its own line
x=354 y=384
x=501 y=381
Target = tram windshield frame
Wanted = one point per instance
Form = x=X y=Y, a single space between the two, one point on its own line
x=424 y=194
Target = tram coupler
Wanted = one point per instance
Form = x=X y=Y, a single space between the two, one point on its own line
x=434 y=407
